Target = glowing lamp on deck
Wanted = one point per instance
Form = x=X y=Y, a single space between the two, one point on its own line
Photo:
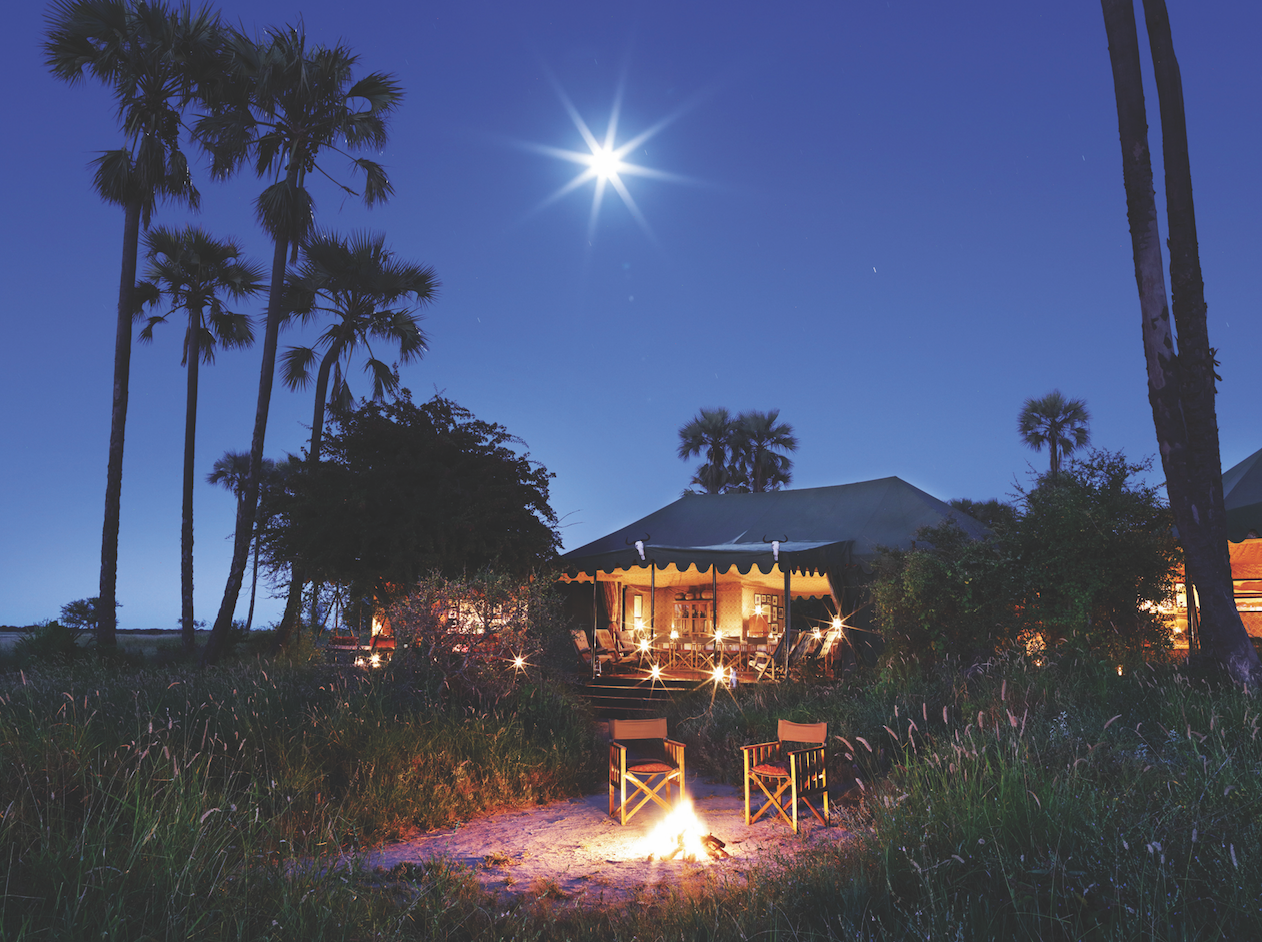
x=656 y=672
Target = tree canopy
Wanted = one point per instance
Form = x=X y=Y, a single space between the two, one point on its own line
x=405 y=490
x=1084 y=559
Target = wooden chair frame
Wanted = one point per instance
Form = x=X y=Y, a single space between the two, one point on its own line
x=649 y=782
x=803 y=773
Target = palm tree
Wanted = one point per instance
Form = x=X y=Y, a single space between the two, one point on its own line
x=759 y=446
x=711 y=433
x=1181 y=382
x=152 y=58
x=231 y=472
x=192 y=270
x=284 y=106
x=367 y=294
x=1060 y=423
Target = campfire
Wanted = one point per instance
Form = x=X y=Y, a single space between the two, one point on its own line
x=682 y=834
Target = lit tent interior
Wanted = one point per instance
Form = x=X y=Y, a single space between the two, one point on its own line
x=733 y=563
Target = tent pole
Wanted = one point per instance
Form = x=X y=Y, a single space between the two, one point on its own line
x=714 y=597
x=653 y=600
x=788 y=616
x=595 y=623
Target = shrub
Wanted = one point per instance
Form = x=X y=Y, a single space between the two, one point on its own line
x=1085 y=562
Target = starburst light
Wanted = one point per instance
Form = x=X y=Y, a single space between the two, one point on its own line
x=605 y=163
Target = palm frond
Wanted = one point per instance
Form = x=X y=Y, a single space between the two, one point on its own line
x=296 y=372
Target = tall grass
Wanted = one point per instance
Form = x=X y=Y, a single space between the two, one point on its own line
x=160 y=805
x=1025 y=802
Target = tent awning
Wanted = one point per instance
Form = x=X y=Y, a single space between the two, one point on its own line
x=819 y=529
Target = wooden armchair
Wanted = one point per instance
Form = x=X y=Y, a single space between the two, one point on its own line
x=642 y=757
x=777 y=769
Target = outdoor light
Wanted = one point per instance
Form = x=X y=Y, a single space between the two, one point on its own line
x=519 y=662
x=1119 y=670
x=818 y=635
x=719 y=675
x=837 y=623
x=674 y=635
x=644 y=645
x=375 y=660
x=656 y=672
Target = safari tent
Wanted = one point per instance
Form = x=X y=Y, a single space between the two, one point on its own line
x=732 y=564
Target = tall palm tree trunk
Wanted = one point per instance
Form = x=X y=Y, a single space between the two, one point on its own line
x=247 y=505
x=298 y=576
x=107 y=618
x=254 y=585
x=186 y=527
x=1180 y=386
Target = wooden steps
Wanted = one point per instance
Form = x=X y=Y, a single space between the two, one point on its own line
x=630 y=697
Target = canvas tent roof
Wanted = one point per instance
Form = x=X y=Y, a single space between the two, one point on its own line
x=1242 y=495
x=818 y=528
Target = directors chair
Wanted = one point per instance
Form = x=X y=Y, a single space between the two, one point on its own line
x=776 y=768
x=642 y=757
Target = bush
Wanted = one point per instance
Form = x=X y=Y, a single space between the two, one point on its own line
x=49 y=643
x=1086 y=560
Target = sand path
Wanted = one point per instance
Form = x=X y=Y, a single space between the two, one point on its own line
x=574 y=850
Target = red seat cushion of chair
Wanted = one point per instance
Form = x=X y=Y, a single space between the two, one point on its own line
x=650 y=768
x=778 y=769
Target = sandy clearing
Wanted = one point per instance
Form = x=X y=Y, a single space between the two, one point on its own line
x=575 y=847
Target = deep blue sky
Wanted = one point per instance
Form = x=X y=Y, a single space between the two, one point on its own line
x=906 y=218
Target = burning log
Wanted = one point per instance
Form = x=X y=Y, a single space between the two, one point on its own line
x=714 y=847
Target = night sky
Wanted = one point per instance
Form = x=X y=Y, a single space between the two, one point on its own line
x=894 y=221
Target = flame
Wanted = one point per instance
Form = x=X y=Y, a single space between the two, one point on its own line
x=678 y=835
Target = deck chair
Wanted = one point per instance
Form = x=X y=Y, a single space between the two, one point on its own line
x=831 y=638
x=584 y=649
x=765 y=664
x=628 y=644
x=641 y=757
x=776 y=768
x=606 y=645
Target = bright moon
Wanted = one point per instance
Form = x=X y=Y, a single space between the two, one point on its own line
x=604 y=162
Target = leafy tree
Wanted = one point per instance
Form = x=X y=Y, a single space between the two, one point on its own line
x=191 y=270
x=1098 y=556
x=1181 y=382
x=152 y=57
x=712 y=434
x=1085 y=560
x=286 y=106
x=994 y=513
x=406 y=490
x=82 y=614
x=1059 y=423
x=366 y=294
x=951 y=595
x=760 y=447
